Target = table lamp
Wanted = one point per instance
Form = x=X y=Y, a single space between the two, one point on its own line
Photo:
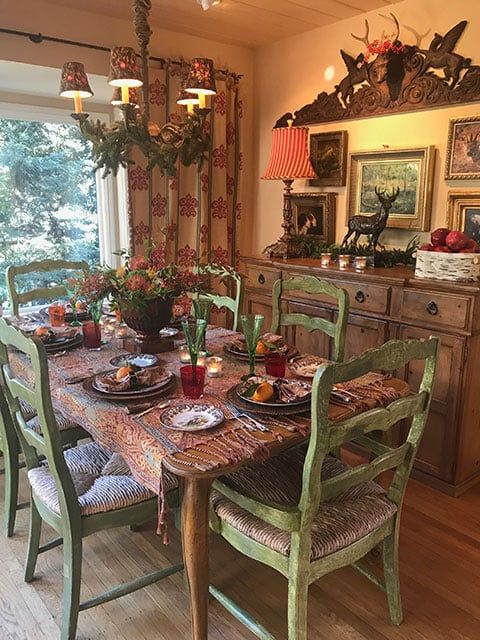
x=289 y=160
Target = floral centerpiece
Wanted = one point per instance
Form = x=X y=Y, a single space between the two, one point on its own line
x=143 y=290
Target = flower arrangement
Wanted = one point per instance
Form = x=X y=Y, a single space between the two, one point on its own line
x=385 y=45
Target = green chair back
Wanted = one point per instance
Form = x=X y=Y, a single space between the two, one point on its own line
x=234 y=282
x=43 y=266
x=327 y=436
x=10 y=449
x=313 y=286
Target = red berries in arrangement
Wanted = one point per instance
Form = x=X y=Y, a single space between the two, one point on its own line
x=443 y=240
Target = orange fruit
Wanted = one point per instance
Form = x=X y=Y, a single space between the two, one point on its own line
x=264 y=392
x=123 y=372
x=261 y=348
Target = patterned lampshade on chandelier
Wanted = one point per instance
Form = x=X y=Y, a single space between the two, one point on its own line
x=162 y=146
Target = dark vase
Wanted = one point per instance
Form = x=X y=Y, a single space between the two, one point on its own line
x=147 y=321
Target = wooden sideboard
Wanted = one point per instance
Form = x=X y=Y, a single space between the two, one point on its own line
x=392 y=303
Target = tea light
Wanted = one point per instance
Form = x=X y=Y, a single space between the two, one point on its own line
x=121 y=331
x=109 y=325
x=360 y=263
x=325 y=259
x=202 y=358
x=214 y=367
x=184 y=354
x=343 y=261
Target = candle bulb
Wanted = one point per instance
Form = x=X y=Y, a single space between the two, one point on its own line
x=214 y=367
x=77 y=101
x=202 y=101
x=125 y=94
x=190 y=108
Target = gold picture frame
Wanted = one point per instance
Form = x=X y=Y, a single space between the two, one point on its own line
x=463 y=149
x=463 y=212
x=328 y=155
x=314 y=215
x=411 y=170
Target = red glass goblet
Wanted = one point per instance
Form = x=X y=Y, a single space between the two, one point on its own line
x=275 y=364
x=193 y=380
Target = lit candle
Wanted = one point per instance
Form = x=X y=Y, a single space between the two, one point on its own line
x=202 y=358
x=184 y=354
x=343 y=261
x=360 y=263
x=325 y=259
x=214 y=367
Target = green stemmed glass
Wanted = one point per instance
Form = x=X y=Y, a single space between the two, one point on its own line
x=203 y=308
x=194 y=330
x=73 y=299
x=251 y=325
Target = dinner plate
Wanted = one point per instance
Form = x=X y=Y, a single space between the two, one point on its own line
x=142 y=360
x=287 y=349
x=306 y=366
x=140 y=390
x=243 y=386
x=147 y=392
x=63 y=343
x=192 y=417
x=265 y=409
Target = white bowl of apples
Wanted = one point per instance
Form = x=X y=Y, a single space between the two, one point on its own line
x=450 y=255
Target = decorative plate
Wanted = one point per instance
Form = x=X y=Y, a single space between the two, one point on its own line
x=192 y=417
x=140 y=394
x=142 y=360
x=135 y=389
x=276 y=402
x=266 y=408
x=306 y=366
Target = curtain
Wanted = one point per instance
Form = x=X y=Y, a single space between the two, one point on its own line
x=193 y=216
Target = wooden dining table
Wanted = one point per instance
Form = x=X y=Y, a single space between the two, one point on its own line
x=147 y=446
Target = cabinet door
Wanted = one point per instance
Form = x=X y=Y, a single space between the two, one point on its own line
x=364 y=333
x=437 y=451
x=314 y=342
x=254 y=303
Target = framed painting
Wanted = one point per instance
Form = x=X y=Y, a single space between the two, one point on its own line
x=463 y=212
x=328 y=155
x=409 y=170
x=314 y=215
x=463 y=149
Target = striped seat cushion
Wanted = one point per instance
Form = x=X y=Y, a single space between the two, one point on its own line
x=63 y=423
x=338 y=523
x=102 y=480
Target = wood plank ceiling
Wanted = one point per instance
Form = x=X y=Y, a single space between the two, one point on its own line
x=249 y=23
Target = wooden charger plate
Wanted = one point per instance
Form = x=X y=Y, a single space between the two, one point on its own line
x=128 y=397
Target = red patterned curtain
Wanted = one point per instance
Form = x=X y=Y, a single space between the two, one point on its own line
x=194 y=216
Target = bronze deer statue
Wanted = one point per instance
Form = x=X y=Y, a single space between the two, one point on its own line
x=372 y=225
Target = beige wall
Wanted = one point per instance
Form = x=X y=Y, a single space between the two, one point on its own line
x=290 y=73
x=37 y=16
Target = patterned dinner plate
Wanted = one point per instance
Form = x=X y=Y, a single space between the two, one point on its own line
x=142 y=393
x=142 y=360
x=192 y=417
x=303 y=400
x=305 y=366
x=135 y=390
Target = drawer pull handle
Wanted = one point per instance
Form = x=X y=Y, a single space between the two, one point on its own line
x=432 y=308
x=261 y=279
x=360 y=296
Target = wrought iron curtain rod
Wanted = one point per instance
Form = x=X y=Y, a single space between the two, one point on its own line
x=38 y=38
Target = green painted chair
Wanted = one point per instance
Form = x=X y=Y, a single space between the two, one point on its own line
x=312 y=286
x=83 y=490
x=43 y=266
x=305 y=513
x=234 y=281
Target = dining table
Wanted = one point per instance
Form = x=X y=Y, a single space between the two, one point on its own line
x=197 y=458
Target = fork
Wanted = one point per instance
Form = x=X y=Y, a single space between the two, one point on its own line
x=240 y=415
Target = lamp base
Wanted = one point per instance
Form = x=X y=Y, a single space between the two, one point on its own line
x=283 y=248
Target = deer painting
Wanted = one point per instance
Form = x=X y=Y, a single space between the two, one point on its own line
x=372 y=225
x=473 y=147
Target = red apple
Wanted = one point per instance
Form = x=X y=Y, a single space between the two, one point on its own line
x=442 y=250
x=456 y=240
x=437 y=237
x=426 y=246
x=472 y=247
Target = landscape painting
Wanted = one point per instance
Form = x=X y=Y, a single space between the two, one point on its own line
x=409 y=170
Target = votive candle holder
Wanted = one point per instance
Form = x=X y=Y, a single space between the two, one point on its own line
x=360 y=263
x=214 y=366
x=343 y=261
x=325 y=259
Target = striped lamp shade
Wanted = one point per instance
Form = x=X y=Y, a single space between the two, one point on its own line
x=289 y=157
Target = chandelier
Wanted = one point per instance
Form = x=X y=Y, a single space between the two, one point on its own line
x=163 y=146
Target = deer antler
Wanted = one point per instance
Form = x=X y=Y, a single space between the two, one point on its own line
x=418 y=36
x=363 y=39
x=393 y=17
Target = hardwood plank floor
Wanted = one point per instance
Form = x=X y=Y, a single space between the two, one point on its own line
x=440 y=566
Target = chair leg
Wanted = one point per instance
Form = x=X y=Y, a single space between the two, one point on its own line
x=392 y=577
x=33 y=541
x=11 y=491
x=72 y=575
x=297 y=607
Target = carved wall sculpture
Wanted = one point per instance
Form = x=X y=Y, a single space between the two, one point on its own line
x=393 y=77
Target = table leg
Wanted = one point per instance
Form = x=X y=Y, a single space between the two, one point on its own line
x=195 y=532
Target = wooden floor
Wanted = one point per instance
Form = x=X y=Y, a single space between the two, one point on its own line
x=440 y=566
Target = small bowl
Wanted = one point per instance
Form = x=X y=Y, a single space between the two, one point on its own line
x=169 y=332
x=142 y=360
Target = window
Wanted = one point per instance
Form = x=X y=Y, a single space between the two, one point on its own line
x=52 y=204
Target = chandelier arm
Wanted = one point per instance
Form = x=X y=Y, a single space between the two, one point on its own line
x=143 y=32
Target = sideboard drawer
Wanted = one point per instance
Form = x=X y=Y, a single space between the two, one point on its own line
x=436 y=308
x=364 y=297
x=259 y=277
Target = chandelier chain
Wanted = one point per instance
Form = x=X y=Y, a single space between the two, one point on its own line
x=141 y=9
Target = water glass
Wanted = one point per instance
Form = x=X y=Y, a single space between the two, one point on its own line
x=251 y=325
x=275 y=364
x=56 y=313
x=193 y=380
